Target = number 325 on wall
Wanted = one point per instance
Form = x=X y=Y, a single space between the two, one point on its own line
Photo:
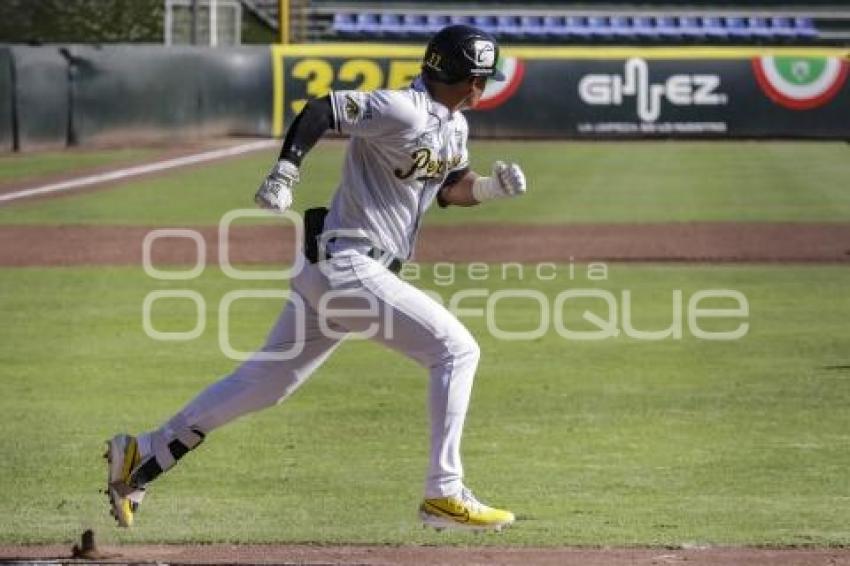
x=319 y=76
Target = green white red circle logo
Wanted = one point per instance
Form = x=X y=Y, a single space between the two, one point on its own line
x=800 y=83
x=497 y=93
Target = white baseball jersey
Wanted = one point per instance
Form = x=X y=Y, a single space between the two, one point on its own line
x=403 y=146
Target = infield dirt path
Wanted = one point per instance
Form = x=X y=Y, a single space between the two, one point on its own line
x=375 y=554
x=691 y=242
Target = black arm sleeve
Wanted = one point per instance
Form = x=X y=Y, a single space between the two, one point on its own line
x=316 y=117
x=451 y=179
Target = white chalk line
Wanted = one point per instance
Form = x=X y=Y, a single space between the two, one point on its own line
x=145 y=169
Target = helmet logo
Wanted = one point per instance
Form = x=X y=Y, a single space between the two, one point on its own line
x=485 y=53
x=433 y=60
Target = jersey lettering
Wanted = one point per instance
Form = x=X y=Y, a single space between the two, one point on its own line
x=431 y=168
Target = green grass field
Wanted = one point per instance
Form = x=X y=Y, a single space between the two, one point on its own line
x=570 y=182
x=620 y=441
x=27 y=166
x=613 y=442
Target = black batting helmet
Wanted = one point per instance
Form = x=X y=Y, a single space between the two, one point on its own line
x=458 y=52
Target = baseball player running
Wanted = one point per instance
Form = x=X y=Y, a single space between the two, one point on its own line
x=407 y=149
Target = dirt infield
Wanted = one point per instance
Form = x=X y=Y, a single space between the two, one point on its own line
x=364 y=554
x=692 y=242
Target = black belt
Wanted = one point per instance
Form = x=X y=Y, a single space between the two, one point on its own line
x=394 y=265
x=314 y=221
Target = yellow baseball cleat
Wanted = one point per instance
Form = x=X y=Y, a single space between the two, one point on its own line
x=463 y=512
x=122 y=456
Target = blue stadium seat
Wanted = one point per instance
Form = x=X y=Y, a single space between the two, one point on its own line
x=344 y=24
x=666 y=27
x=714 y=28
x=465 y=19
x=759 y=28
x=621 y=28
x=556 y=27
x=368 y=24
x=805 y=28
x=436 y=22
x=416 y=25
x=737 y=27
x=488 y=23
x=599 y=27
x=532 y=27
x=690 y=27
x=516 y=27
x=509 y=27
x=574 y=27
x=392 y=25
x=644 y=27
x=783 y=27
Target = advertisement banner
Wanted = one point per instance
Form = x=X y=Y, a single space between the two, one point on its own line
x=586 y=93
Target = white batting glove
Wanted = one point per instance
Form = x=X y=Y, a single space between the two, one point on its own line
x=507 y=180
x=276 y=191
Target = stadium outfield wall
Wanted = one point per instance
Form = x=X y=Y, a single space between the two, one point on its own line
x=83 y=94
x=54 y=96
